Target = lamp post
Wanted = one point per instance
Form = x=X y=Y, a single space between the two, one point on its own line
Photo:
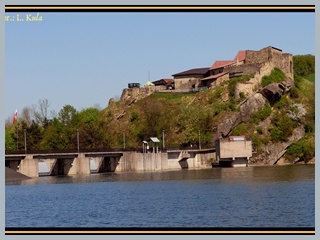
x=199 y=141
x=163 y=145
x=124 y=141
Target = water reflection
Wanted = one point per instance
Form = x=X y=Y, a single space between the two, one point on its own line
x=220 y=175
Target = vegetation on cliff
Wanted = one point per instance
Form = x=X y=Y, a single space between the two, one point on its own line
x=183 y=119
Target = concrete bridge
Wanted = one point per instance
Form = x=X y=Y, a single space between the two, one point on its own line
x=75 y=163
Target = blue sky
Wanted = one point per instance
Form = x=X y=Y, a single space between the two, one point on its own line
x=84 y=59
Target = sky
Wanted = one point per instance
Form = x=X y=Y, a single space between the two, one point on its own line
x=84 y=59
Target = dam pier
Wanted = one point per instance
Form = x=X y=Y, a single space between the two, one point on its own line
x=75 y=163
x=228 y=152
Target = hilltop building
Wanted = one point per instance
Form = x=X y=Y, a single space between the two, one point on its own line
x=245 y=62
x=190 y=78
x=258 y=63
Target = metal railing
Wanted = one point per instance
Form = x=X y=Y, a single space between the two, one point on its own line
x=55 y=151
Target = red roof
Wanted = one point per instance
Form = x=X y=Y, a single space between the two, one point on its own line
x=220 y=64
x=168 y=80
x=214 y=76
x=241 y=56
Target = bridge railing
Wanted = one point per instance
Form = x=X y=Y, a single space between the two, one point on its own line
x=55 y=151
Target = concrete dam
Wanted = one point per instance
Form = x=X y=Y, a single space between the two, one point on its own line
x=83 y=162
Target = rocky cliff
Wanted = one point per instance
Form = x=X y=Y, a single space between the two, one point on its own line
x=268 y=113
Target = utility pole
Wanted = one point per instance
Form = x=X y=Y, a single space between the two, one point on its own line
x=78 y=142
x=17 y=138
x=25 y=140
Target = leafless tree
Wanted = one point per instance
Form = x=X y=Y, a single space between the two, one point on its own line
x=44 y=106
x=26 y=114
x=40 y=112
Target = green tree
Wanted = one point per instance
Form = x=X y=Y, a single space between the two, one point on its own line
x=34 y=136
x=10 y=143
x=93 y=130
x=61 y=133
x=304 y=65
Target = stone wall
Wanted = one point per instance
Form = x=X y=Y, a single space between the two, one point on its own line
x=261 y=56
x=269 y=54
x=185 y=82
x=251 y=68
x=253 y=84
x=287 y=65
x=220 y=80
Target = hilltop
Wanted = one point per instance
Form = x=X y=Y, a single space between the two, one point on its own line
x=278 y=115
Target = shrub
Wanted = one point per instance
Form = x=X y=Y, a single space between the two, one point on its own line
x=276 y=75
x=297 y=80
x=294 y=92
x=283 y=103
x=302 y=149
x=219 y=107
x=261 y=115
x=282 y=127
x=241 y=129
x=260 y=130
x=232 y=104
x=134 y=116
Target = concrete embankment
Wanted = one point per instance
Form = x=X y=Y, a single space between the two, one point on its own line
x=14 y=176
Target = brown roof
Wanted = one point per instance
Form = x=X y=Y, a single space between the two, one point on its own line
x=163 y=81
x=194 y=71
x=214 y=76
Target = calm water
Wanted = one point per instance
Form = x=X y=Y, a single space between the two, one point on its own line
x=275 y=196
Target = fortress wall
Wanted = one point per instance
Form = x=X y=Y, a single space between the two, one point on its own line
x=258 y=56
x=287 y=65
x=245 y=69
x=251 y=86
x=269 y=54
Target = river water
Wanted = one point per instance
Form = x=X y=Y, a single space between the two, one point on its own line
x=273 y=196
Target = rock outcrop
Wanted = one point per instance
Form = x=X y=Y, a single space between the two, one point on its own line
x=131 y=95
x=251 y=105
x=232 y=119
x=271 y=94
x=273 y=152
x=274 y=91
